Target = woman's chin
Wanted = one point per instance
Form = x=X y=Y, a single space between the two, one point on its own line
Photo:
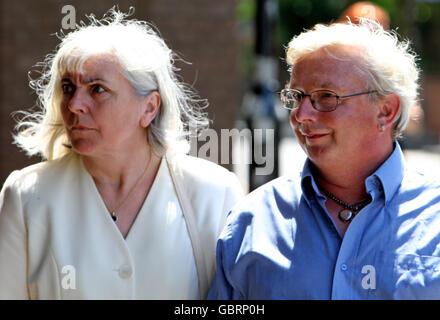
x=83 y=147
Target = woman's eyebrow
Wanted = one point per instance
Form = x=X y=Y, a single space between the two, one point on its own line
x=83 y=81
x=89 y=80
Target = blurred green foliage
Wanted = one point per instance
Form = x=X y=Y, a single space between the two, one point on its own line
x=427 y=20
x=418 y=21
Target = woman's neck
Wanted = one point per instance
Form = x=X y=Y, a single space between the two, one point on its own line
x=119 y=171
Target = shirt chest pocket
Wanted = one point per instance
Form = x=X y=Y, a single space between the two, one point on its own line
x=416 y=277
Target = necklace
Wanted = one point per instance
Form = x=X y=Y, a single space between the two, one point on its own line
x=113 y=212
x=350 y=210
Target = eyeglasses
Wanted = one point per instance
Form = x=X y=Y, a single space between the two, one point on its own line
x=322 y=100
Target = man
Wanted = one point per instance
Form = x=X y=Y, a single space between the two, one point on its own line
x=357 y=223
x=365 y=9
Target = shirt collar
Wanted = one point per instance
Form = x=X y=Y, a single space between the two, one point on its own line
x=308 y=183
x=389 y=175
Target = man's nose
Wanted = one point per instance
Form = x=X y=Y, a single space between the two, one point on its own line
x=305 y=111
x=79 y=102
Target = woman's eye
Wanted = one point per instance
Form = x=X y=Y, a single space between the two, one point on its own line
x=67 y=88
x=98 y=89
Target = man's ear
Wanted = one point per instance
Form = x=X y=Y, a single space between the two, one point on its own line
x=389 y=108
x=151 y=106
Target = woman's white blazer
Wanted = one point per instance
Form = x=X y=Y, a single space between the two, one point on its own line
x=58 y=241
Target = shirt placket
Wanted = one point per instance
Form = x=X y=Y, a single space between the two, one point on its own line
x=347 y=275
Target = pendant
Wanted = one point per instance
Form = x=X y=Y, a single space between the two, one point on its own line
x=115 y=218
x=345 y=215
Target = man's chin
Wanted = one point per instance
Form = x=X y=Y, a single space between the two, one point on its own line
x=317 y=153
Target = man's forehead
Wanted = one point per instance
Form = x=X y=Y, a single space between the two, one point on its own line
x=325 y=69
x=319 y=77
x=317 y=81
x=331 y=56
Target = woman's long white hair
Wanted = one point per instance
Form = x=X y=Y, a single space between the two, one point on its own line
x=146 y=61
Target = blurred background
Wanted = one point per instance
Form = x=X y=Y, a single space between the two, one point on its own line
x=236 y=50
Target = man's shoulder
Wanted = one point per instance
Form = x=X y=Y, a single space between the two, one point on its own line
x=284 y=186
x=264 y=214
x=418 y=196
x=416 y=179
x=279 y=195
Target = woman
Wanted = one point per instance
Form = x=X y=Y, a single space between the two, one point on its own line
x=117 y=210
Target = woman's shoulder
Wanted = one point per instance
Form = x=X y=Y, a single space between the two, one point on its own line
x=202 y=172
x=42 y=173
x=198 y=167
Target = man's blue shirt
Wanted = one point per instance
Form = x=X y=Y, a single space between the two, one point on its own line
x=280 y=242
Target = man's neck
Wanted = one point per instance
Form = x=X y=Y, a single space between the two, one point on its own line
x=346 y=180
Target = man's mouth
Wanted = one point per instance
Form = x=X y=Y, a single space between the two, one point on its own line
x=313 y=135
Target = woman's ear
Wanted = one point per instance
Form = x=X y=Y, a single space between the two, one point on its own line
x=389 y=108
x=151 y=105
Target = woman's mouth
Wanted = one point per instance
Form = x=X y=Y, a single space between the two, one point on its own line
x=79 y=128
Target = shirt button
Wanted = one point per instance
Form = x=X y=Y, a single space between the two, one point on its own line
x=125 y=271
x=344 y=267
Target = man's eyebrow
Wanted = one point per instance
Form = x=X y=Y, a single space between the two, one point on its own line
x=319 y=85
x=327 y=85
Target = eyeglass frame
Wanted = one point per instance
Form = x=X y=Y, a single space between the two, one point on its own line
x=338 y=97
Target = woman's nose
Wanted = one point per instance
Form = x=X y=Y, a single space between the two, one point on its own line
x=79 y=102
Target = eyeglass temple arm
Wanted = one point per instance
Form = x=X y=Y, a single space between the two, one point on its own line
x=357 y=94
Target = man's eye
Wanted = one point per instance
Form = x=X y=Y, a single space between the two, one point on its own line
x=297 y=96
x=67 y=88
x=327 y=95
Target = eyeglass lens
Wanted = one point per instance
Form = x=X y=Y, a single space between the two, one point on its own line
x=321 y=100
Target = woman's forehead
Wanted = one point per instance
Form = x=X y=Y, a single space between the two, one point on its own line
x=91 y=69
